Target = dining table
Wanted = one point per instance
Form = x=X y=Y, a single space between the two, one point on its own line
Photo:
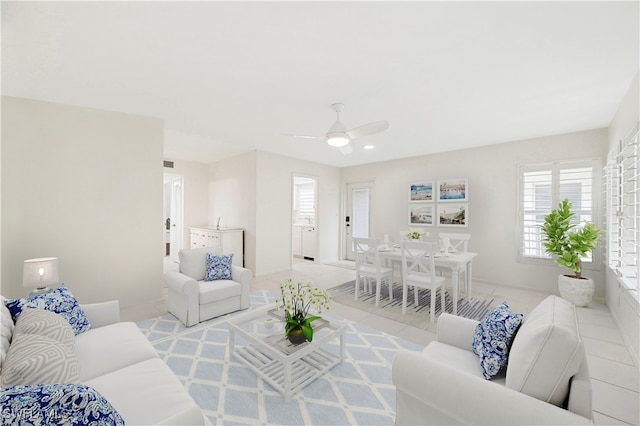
x=454 y=262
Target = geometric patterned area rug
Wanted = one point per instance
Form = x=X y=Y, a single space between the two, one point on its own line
x=416 y=316
x=359 y=391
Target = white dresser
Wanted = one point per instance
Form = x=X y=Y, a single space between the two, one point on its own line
x=230 y=240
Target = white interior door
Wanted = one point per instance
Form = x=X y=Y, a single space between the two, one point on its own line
x=358 y=214
x=174 y=193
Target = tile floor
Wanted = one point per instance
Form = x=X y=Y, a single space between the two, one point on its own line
x=615 y=377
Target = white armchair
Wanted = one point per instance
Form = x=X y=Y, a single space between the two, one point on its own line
x=546 y=381
x=192 y=300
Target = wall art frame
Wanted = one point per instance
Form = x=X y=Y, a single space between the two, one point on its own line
x=453 y=190
x=421 y=192
x=421 y=214
x=453 y=214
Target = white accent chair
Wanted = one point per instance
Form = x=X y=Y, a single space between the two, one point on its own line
x=368 y=266
x=419 y=271
x=546 y=380
x=192 y=300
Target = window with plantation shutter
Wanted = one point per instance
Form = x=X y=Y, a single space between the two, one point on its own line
x=305 y=200
x=622 y=187
x=542 y=188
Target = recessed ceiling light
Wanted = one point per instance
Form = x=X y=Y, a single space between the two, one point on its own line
x=369 y=147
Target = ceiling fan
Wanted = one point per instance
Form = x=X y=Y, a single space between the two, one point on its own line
x=338 y=135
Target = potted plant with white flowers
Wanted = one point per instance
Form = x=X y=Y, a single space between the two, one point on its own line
x=569 y=242
x=417 y=234
x=297 y=300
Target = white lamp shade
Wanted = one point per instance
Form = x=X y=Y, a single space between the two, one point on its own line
x=338 y=139
x=40 y=272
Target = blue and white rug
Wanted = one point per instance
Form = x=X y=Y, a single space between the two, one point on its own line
x=416 y=315
x=359 y=391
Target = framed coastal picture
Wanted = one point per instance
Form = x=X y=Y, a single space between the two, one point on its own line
x=453 y=189
x=453 y=214
x=421 y=214
x=421 y=192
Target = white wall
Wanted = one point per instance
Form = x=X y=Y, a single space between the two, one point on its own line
x=623 y=306
x=195 y=188
x=254 y=191
x=493 y=208
x=274 y=204
x=627 y=115
x=86 y=186
x=232 y=198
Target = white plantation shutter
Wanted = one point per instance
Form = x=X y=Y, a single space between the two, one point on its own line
x=306 y=200
x=536 y=203
x=542 y=187
x=622 y=186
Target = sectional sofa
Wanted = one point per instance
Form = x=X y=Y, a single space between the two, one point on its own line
x=545 y=381
x=111 y=357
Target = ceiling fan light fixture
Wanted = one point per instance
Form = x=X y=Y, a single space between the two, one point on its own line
x=338 y=139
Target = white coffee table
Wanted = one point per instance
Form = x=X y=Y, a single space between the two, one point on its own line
x=263 y=347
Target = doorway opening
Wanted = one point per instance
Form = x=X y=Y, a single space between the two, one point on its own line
x=173 y=225
x=304 y=222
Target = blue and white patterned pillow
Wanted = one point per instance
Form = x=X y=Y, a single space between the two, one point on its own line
x=218 y=267
x=59 y=300
x=493 y=338
x=56 y=404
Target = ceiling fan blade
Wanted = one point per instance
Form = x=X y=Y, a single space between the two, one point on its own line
x=304 y=136
x=346 y=149
x=368 y=129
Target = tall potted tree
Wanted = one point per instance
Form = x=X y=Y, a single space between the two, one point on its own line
x=568 y=243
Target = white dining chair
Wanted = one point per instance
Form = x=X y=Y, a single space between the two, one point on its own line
x=418 y=271
x=458 y=242
x=368 y=267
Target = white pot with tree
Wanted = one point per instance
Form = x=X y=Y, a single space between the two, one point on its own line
x=568 y=243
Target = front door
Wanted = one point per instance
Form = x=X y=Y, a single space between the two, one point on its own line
x=358 y=214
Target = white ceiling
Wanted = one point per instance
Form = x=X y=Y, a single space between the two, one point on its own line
x=234 y=76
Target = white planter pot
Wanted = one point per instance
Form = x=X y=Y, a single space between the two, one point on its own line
x=577 y=291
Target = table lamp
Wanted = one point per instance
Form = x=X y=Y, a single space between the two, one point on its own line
x=40 y=273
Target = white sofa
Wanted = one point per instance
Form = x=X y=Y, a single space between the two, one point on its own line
x=117 y=360
x=193 y=300
x=546 y=381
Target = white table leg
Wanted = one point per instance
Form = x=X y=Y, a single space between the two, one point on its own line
x=287 y=381
x=467 y=277
x=455 y=278
x=404 y=298
x=342 y=348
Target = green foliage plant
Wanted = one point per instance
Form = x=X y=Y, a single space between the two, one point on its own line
x=564 y=241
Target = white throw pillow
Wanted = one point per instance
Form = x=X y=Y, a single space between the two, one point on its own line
x=546 y=352
x=193 y=262
x=42 y=351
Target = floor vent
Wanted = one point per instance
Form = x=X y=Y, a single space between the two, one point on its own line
x=168 y=164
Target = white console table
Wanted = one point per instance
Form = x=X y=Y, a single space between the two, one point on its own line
x=230 y=240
